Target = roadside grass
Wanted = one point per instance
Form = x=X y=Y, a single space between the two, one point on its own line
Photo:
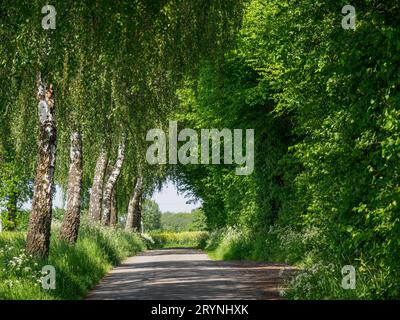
x=78 y=267
x=185 y=239
x=236 y=244
x=315 y=278
x=324 y=281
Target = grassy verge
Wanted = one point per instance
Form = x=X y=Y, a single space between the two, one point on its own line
x=186 y=239
x=317 y=277
x=78 y=267
x=238 y=244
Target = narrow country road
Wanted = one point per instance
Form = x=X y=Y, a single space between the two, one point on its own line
x=175 y=274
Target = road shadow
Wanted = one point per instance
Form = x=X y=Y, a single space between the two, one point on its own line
x=176 y=274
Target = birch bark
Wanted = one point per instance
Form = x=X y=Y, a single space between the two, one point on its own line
x=96 y=193
x=70 y=225
x=110 y=184
x=114 y=208
x=38 y=237
x=133 y=219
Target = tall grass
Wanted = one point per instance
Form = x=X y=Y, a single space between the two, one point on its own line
x=315 y=279
x=278 y=245
x=78 y=267
x=324 y=281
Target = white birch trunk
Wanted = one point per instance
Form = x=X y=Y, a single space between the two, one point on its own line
x=38 y=237
x=114 y=208
x=110 y=184
x=133 y=218
x=70 y=225
x=96 y=192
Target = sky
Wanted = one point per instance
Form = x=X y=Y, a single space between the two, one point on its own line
x=57 y=201
x=167 y=199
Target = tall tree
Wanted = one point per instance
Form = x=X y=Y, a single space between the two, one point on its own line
x=38 y=238
x=151 y=215
x=70 y=225
x=96 y=194
x=114 y=208
x=133 y=219
x=110 y=184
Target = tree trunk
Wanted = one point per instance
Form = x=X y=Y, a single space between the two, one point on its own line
x=38 y=238
x=70 y=225
x=131 y=206
x=133 y=218
x=138 y=221
x=114 y=208
x=96 y=193
x=112 y=180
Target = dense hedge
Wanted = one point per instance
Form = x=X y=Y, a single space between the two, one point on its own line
x=324 y=103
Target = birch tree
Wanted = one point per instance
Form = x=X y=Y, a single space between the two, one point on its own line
x=133 y=219
x=70 y=225
x=96 y=193
x=114 y=208
x=38 y=238
x=110 y=184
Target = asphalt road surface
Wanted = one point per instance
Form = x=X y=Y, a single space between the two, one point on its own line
x=176 y=274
